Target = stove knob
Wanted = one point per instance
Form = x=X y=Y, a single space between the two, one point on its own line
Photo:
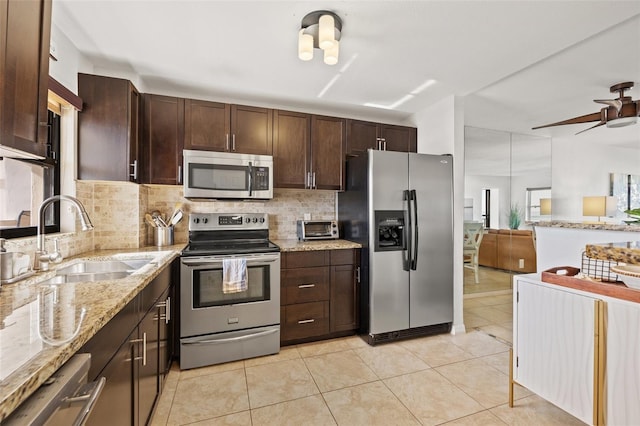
x=255 y=220
x=262 y=220
x=248 y=220
x=196 y=220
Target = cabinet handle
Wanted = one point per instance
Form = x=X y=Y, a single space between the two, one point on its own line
x=180 y=174
x=358 y=274
x=227 y=142
x=314 y=180
x=134 y=175
x=167 y=311
x=307 y=183
x=308 y=321
x=144 y=348
x=384 y=141
x=378 y=144
x=306 y=285
x=233 y=143
x=135 y=341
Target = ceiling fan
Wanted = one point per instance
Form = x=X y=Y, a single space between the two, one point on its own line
x=619 y=112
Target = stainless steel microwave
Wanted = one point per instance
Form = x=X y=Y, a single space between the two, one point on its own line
x=209 y=174
x=317 y=230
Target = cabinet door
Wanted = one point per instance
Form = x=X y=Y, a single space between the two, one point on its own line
x=251 y=130
x=163 y=133
x=291 y=149
x=148 y=362
x=344 y=298
x=399 y=138
x=327 y=152
x=554 y=346
x=107 y=128
x=25 y=28
x=361 y=135
x=207 y=125
x=116 y=403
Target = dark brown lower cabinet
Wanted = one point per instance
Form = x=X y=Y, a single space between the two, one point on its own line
x=134 y=368
x=319 y=295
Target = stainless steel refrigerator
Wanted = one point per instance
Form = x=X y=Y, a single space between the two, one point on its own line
x=399 y=207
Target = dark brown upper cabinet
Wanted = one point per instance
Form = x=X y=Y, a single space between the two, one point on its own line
x=327 y=152
x=214 y=126
x=291 y=149
x=25 y=29
x=108 y=129
x=308 y=151
x=163 y=139
x=363 y=135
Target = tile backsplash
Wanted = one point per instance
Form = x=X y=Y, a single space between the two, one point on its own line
x=117 y=212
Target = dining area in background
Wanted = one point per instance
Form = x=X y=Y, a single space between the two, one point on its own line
x=473 y=233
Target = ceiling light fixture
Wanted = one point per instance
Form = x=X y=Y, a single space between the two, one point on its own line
x=321 y=30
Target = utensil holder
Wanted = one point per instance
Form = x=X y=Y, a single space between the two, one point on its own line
x=163 y=236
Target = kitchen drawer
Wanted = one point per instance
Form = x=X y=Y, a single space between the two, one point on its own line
x=305 y=285
x=305 y=320
x=305 y=259
x=343 y=257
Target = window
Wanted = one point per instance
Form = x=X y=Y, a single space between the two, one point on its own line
x=24 y=184
x=626 y=189
x=532 y=211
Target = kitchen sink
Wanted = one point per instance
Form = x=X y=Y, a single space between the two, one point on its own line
x=101 y=266
x=97 y=270
x=86 y=277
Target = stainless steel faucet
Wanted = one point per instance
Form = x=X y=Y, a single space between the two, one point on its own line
x=43 y=258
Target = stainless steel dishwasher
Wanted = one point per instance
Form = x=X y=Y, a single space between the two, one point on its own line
x=64 y=399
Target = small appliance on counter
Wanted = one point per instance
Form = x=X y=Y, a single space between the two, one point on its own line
x=317 y=230
x=14 y=266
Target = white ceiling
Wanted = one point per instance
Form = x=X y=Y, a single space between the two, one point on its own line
x=517 y=63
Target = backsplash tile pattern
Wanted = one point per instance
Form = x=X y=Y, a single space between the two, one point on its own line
x=117 y=212
x=114 y=209
x=287 y=206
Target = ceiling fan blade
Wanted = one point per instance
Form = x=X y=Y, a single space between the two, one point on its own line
x=616 y=103
x=592 y=127
x=596 y=116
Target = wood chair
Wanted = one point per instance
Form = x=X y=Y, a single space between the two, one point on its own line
x=473 y=232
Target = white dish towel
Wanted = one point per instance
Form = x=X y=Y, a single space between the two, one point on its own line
x=234 y=275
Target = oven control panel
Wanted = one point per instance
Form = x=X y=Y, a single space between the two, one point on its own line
x=221 y=221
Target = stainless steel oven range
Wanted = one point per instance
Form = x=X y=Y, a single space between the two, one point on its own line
x=220 y=322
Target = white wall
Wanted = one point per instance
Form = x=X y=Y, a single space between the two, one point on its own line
x=581 y=169
x=441 y=131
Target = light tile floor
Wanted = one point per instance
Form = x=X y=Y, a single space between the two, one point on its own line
x=443 y=379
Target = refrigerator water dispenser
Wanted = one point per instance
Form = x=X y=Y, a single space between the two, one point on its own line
x=391 y=232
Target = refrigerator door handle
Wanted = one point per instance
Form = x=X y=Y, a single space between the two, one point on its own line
x=406 y=253
x=414 y=257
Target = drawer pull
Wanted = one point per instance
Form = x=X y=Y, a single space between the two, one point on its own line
x=306 y=321
x=306 y=285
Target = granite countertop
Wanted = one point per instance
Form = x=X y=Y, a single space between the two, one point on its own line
x=295 y=245
x=626 y=252
x=27 y=359
x=586 y=225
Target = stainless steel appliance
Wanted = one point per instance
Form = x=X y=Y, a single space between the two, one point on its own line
x=65 y=399
x=399 y=207
x=210 y=174
x=317 y=230
x=215 y=326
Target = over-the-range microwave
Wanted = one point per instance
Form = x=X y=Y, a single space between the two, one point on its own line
x=209 y=174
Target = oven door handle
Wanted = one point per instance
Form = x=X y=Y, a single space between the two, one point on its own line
x=197 y=341
x=198 y=261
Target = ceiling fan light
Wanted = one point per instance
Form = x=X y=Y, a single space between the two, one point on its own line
x=622 y=122
x=331 y=54
x=305 y=46
x=326 y=32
